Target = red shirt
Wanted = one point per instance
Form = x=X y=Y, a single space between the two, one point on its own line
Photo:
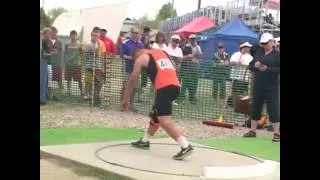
x=109 y=44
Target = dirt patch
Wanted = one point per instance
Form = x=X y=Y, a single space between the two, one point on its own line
x=61 y=115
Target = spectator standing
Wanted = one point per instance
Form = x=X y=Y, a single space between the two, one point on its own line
x=73 y=61
x=110 y=47
x=145 y=39
x=160 y=42
x=126 y=54
x=108 y=43
x=266 y=86
x=221 y=72
x=55 y=65
x=240 y=61
x=175 y=52
x=186 y=71
x=46 y=45
x=119 y=42
x=94 y=56
x=194 y=65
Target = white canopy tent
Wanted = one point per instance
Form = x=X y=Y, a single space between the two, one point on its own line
x=109 y=17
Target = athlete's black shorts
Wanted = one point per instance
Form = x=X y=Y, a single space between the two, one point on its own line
x=163 y=101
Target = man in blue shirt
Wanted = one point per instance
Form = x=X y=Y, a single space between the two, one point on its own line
x=126 y=54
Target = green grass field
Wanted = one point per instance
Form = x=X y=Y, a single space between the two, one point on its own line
x=259 y=147
x=53 y=136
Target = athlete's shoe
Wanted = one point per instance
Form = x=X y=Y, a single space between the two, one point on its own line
x=183 y=153
x=140 y=144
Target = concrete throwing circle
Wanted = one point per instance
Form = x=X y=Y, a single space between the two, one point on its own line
x=158 y=159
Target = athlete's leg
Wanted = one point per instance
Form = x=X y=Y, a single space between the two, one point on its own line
x=164 y=111
x=163 y=106
x=152 y=129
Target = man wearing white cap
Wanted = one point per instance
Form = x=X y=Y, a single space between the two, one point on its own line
x=266 y=86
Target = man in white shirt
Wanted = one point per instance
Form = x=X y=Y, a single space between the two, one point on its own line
x=240 y=61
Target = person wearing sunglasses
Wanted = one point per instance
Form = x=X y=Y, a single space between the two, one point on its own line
x=126 y=54
x=266 y=86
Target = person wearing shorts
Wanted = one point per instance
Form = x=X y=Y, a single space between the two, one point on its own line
x=73 y=62
x=162 y=73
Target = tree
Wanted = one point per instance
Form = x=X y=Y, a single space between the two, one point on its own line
x=45 y=20
x=146 y=22
x=166 y=12
x=55 y=12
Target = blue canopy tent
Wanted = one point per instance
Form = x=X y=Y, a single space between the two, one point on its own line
x=229 y=35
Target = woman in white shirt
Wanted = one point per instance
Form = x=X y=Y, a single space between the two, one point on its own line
x=159 y=42
x=240 y=61
x=175 y=52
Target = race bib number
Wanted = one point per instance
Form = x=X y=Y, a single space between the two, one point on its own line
x=165 y=64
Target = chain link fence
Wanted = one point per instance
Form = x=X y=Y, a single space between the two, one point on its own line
x=93 y=81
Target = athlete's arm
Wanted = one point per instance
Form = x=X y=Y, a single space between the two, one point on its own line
x=138 y=65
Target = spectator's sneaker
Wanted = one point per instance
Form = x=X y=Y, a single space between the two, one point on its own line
x=183 y=153
x=140 y=144
x=250 y=134
x=175 y=103
x=179 y=100
x=276 y=137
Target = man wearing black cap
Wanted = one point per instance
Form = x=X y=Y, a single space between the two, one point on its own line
x=221 y=72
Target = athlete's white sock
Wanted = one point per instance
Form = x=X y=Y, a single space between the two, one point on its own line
x=146 y=137
x=183 y=142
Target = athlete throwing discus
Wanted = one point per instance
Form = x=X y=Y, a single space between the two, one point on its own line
x=162 y=73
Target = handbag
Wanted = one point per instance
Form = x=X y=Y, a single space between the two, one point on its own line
x=243 y=101
x=238 y=92
x=243 y=104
